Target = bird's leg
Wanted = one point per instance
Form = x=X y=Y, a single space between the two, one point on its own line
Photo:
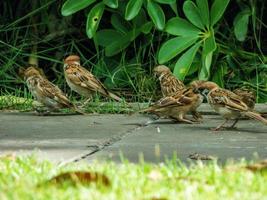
x=42 y=112
x=220 y=126
x=85 y=102
x=187 y=121
x=196 y=116
x=233 y=125
x=181 y=118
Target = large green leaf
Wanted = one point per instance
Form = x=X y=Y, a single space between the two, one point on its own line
x=165 y=1
x=195 y=66
x=173 y=47
x=132 y=9
x=73 y=6
x=180 y=27
x=241 y=24
x=192 y=13
x=183 y=64
x=217 y=10
x=209 y=46
x=203 y=7
x=156 y=14
x=93 y=19
x=111 y=3
x=105 y=37
x=118 y=45
x=119 y=23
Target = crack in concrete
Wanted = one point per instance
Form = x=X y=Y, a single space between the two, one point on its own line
x=99 y=147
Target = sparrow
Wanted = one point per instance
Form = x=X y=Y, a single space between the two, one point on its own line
x=44 y=91
x=176 y=106
x=82 y=81
x=170 y=85
x=228 y=104
x=248 y=96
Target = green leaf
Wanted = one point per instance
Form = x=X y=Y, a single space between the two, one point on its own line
x=173 y=47
x=119 y=23
x=146 y=28
x=165 y=1
x=174 y=8
x=209 y=44
x=132 y=9
x=73 y=6
x=93 y=19
x=241 y=25
x=206 y=64
x=140 y=19
x=180 y=27
x=209 y=47
x=105 y=37
x=204 y=12
x=118 y=45
x=217 y=10
x=111 y=3
x=219 y=73
x=183 y=64
x=195 y=66
x=191 y=12
x=156 y=14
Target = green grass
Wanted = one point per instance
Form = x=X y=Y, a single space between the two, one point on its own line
x=26 y=178
x=9 y=102
x=39 y=31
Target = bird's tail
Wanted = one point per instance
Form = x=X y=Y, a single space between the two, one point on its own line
x=256 y=116
x=149 y=109
x=114 y=96
x=77 y=110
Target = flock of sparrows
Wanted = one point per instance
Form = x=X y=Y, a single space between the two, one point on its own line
x=177 y=99
x=78 y=78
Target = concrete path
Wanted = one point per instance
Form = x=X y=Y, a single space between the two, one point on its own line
x=62 y=137
x=163 y=139
x=66 y=138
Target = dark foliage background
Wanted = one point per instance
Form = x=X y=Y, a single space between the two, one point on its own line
x=36 y=29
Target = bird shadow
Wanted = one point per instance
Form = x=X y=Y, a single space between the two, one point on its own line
x=43 y=115
x=156 y=122
x=226 y=129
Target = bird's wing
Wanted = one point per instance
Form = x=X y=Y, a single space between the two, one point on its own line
x=182 y=98
x=82 y=77
x=170 y=85
x=51 y=91
x=228 y=99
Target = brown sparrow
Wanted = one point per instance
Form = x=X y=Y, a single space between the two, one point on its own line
x=228 y=104
x=170 y=85
x=248 y=96
x=176 y=106
x=44 y=91
x=82 y=81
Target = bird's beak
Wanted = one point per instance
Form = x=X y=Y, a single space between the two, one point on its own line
x=155 y=74
x=205 y=93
